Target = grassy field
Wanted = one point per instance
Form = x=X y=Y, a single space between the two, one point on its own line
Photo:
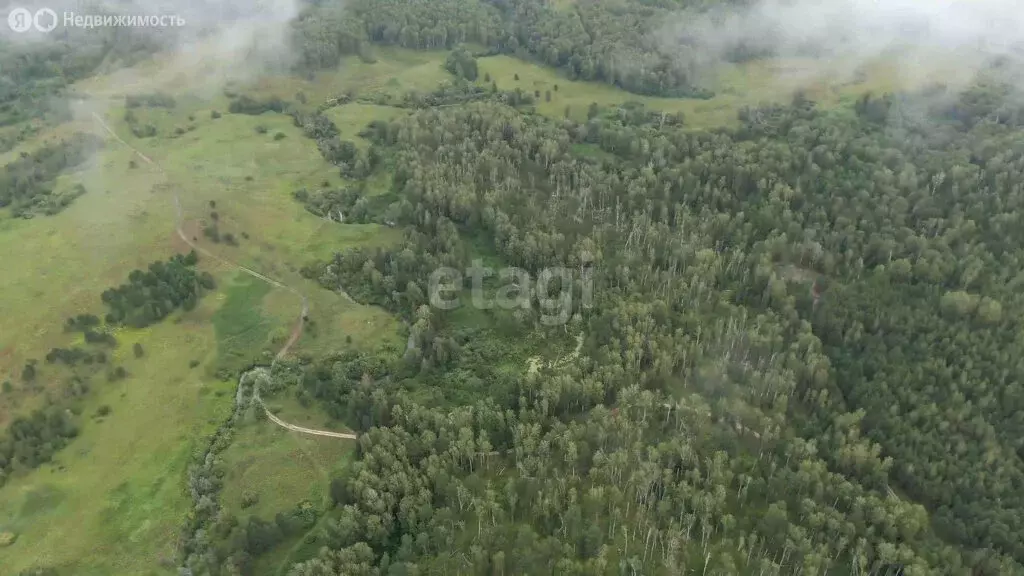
x=114 y=499
x=284 y=405
x=126 y=219
x=282 y=470
x=735 y=86
x=395 y=72
x=280 y=467
x=351 y=119
x=58 y=266
x=241 y=327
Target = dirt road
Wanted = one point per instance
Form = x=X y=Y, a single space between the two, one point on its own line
x=310 y=431
x=299 y=324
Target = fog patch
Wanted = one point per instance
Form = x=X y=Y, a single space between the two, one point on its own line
x=837 y=39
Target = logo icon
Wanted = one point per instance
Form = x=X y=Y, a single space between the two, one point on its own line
x=20 y=19
x=45 y=20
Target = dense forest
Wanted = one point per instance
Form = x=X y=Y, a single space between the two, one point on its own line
x=602 y=40
x=803 y=353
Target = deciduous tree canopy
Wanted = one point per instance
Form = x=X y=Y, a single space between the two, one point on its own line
x=802 y=352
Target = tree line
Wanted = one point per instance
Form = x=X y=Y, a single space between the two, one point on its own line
x=35 y=77
x=601 y=40
x=150 y=295
x=28 y=184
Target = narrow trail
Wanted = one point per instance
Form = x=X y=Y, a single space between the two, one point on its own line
x=282 y=423
x=299 y=324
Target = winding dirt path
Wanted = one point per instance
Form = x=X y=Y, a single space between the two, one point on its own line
x=299 y=324
x=293 y=427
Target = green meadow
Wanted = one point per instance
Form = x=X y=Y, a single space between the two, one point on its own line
x=114 y=500
x=279 y=469
x=735 y=86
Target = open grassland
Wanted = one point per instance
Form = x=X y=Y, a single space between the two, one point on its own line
x=254 y=321
x=284 y=405
x=393 y=71
x=396 y=71
x=351 y=119
x=735 y=86
x=114 y=500
x=58 y=266
x=282 y=469
x=241 y=327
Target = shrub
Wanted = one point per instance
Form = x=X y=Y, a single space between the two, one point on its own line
x=247 y=105
x=144 y=131
x=249 y=499
x=212 y=233
x=157 y=100
x=28 y=373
